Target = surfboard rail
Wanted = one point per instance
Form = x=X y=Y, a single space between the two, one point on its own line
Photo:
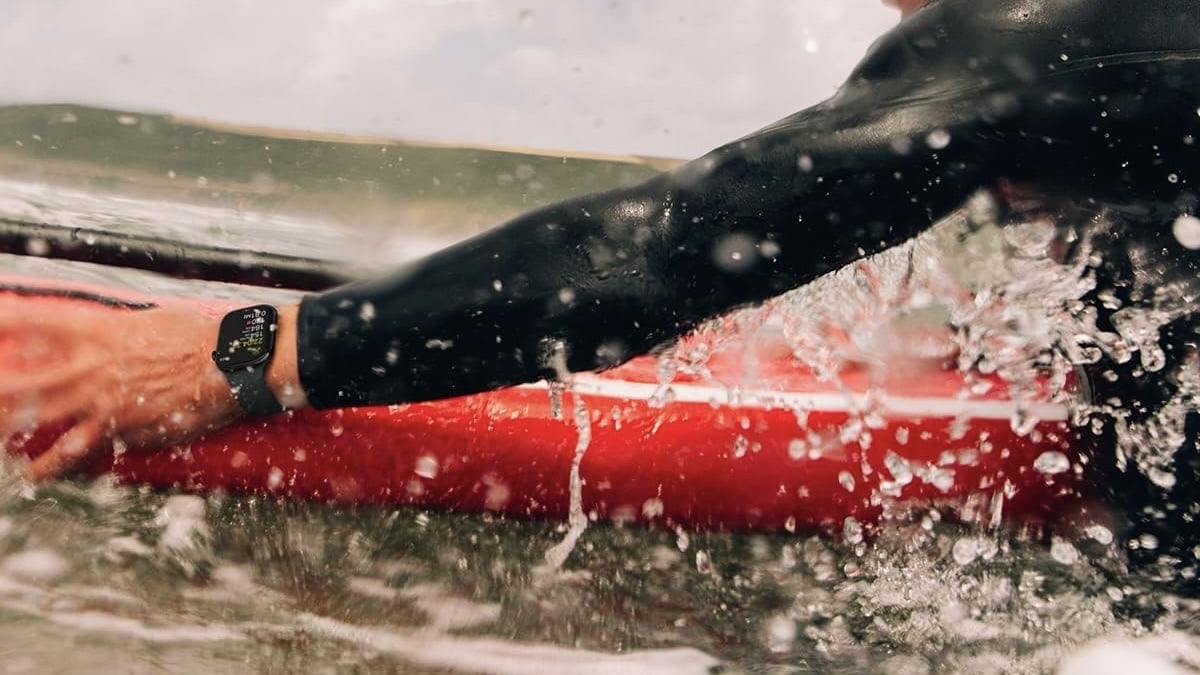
x=783 y=449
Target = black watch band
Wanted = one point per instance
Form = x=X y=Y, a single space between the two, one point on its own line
x=245 y=343
x=249 y=386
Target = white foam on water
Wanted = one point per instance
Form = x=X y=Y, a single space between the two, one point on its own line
x=494 y=657
x=1171 y=653
x=446 y=612
x=234 y=583
x=36 y=566
x=57 y=607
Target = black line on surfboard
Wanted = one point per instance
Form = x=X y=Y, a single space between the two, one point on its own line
x=73 y=294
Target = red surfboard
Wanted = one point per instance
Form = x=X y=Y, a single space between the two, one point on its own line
x=782 y=449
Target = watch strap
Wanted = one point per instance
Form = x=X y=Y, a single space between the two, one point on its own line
x=249 y=386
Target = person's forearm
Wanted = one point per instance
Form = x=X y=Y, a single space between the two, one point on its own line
x=589 y=283
x=283 y=374
x=931 y=116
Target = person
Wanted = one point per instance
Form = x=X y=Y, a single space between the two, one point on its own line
x=1094 y=103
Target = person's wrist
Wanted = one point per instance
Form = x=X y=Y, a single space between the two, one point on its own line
x=214 y=386
x=283 y=372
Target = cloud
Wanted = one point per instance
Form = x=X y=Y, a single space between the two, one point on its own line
x=671 y=77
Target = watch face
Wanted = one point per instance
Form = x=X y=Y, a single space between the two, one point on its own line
x=246 y=338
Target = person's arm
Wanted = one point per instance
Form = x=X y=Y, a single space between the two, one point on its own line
x=1092 y=100
x=924 y=121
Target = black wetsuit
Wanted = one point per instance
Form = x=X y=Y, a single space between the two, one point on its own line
x=1090 y=101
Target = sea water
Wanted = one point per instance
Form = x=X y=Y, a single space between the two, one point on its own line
x=99 y=577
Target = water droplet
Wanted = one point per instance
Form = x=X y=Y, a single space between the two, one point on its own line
x=852 y=432
x=1063 y=552
x=426 y=466
x=703 y=564
x=781 y=633
x=740 y=445
x=901 y=145
x=853 y=530
x=1023 y=421
x=1187 y=232
x=274 y=478
x=497 y=495
x=1099 y=534
x=366 y=311
x=37 y=246
x=805 y=163
x=899 y=468
x=1051 y=462
x=735 y=252
x=682 y=540
x=938 y=139
x=940 y=478
x=846 y=480
x=965 y=550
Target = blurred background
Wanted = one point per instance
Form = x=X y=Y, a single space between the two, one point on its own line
x=669 y=78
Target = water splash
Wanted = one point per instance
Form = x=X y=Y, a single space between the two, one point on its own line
x=577 y=520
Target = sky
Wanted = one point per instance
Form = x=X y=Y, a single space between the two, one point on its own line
x=654 y=77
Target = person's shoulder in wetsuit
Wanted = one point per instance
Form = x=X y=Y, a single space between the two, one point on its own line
x=1089 y=99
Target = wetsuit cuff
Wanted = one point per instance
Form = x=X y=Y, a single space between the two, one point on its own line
x=312 y=321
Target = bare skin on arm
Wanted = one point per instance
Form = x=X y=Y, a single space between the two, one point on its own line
x=283 y=373
x=139 y=378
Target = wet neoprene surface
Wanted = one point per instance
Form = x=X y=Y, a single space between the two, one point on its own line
x=1091 y=101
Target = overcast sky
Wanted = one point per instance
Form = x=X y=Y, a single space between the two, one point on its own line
x=656 y=77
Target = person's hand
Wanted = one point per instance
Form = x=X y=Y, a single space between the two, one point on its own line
x=141 y=378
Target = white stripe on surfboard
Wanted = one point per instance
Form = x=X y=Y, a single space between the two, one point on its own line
x=901 y=406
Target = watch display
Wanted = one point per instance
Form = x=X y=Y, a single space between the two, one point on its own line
x=246 y=337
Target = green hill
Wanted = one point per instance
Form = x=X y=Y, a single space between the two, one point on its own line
x=430 y=189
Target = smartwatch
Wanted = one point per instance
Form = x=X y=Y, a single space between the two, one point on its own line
x=245 y=343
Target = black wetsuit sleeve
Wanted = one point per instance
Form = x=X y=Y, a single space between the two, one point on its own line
x=953 y=100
